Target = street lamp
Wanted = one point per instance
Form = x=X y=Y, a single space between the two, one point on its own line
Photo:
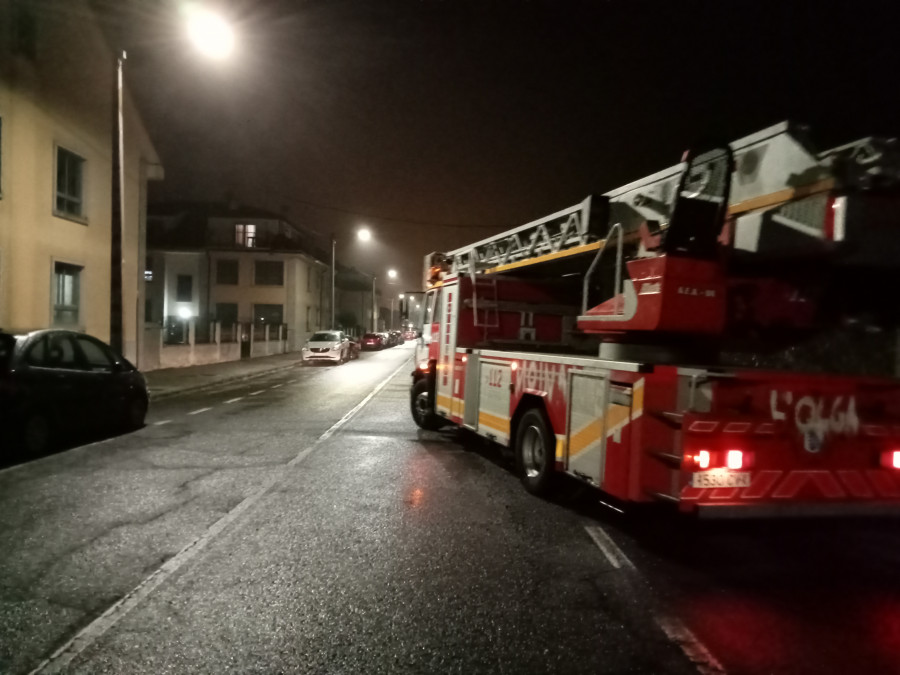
x=364 y=234
x=212 y=36
x=392 y=274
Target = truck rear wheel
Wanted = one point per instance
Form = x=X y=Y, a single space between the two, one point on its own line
x=535 y=452
x=422 y=406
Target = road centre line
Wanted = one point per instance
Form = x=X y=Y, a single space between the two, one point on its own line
x=234 y=400
x=256 y=393
x=62 y=657
x=197 y=412
x=275 y=386
x=161 y=422
x=604 y=542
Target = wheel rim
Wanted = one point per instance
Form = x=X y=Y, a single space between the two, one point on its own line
x=533 y=452
x=423 y=405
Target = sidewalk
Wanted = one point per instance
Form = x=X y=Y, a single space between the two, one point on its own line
x=173 y=381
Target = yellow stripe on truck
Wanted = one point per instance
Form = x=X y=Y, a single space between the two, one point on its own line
x=493 y=422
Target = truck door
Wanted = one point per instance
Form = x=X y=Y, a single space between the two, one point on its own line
x=445 y=382
x=586 y=432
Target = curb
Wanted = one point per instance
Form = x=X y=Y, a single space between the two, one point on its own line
x=159 y=396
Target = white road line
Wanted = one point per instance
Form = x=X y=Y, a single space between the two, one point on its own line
x=275 y=386
x=674 y=628
x=612 y=552
x=161 y=422
x=234 y=400
x=197 y=412
x=62 y=657
x=256 y=393
x=696 y=651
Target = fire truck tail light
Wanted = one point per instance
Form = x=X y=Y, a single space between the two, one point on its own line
x=702 y=459
x=423 y=366
x=734 y=459
x=895 y=459
x=514 y=366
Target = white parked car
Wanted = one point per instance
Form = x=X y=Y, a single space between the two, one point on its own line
x=330 y=346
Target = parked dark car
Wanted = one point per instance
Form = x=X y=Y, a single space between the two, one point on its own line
x=373 y=341
x=397 y=337
x=56 y=383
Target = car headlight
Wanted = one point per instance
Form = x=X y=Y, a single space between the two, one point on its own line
x=335 y=348
x=305 y=349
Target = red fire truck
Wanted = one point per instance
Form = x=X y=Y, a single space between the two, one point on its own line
x=720 y=335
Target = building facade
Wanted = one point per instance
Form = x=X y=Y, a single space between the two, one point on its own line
x=226 y=265
x=56 y=129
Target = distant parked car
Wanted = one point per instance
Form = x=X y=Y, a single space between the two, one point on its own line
x=56 y=383
x=328 y=346
x=396 y=337
x=409 y=335
x=372 y=341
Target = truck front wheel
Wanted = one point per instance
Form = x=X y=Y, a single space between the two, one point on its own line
x=535 y=452
x=422 y=406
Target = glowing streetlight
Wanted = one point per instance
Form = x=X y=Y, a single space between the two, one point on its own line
x=364 y=234
x=402 y=296
x=210 y=33
x=392 y=274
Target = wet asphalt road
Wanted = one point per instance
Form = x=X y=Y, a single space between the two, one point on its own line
x=236 y=538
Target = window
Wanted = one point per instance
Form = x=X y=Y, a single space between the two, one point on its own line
x=184 y=290
x=226 y=272
x=308 y=279
x=269 y=273
x=307 y=317
x=1 y=156
x=96 y=356
x=148 y=311
x=267 y=314
x=67 y=294
x=227 y=313
x=69 y=183
x=52 y=351
x=245 y=235
x=148 y=269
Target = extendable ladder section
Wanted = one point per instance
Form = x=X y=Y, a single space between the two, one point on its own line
x=564 y=230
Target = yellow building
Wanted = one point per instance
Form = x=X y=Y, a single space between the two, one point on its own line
x=56 y=120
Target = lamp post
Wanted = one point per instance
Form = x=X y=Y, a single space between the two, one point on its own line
x=212 y=36
x=333 y=244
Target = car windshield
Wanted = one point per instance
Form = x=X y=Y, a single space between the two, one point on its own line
x=325 y=337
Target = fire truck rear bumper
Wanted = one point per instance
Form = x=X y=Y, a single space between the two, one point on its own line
x=804 y=510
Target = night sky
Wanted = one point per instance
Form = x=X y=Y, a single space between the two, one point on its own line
x=437 y=122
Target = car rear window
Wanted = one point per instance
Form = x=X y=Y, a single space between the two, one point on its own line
x=370 y=335
x=7 y=345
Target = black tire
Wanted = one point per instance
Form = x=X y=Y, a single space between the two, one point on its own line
x=422 y=406
x=535 y=451
x=36 y=435
x=135 y=413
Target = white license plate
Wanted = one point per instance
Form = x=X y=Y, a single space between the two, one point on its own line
x=720 y=478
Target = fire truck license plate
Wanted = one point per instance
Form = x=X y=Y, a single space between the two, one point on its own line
x=716 y=479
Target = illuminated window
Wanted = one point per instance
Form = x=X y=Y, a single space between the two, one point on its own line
x=245 y=235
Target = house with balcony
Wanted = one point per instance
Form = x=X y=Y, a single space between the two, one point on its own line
x=56 y=122
x=226 y=281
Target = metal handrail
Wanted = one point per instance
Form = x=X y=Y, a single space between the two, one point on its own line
x=616 y=229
